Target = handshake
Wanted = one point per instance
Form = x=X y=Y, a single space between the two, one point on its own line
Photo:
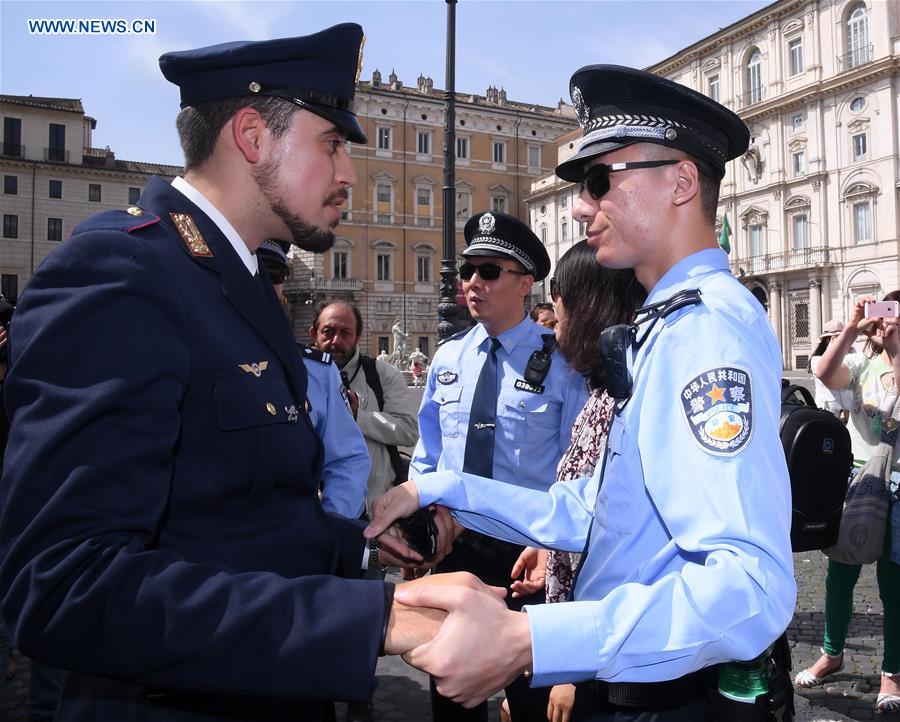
x=452 y=626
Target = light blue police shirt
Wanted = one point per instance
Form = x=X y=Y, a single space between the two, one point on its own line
x=346 y=464
x=689 y=562
x=534 y=425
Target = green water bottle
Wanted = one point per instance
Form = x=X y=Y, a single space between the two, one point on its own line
x=745 y=681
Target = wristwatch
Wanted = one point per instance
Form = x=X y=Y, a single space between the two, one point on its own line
x=374 y=554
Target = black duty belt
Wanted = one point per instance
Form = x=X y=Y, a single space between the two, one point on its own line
x=655 y=695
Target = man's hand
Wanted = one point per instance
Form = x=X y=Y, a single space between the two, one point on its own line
x=481 y=646
x=533 y=563
x=562 y=699
x=397 y=503
x=395 y=553
x=411 y=626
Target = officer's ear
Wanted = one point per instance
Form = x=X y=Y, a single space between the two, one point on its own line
x=248 y=131
x=687 y=184
x=525 y=284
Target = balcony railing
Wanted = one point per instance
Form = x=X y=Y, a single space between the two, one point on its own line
x=320 y=283
x=856 y=57
x=754 y=95
x=56 y=155
x=782 y=261
x=14 y=150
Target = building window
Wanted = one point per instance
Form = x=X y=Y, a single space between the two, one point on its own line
x=55 y=190
x=858 y=37
x=384 y=196
x=423 y=206
x=10 y=226
x=534 y=157
x=347 y=208
x=862 y=221
x=712 y=87
x=423 y=269
x=384 y=138
x=857 y=104
x=134 y=195
x=424 y=346
x=756 y=236
x=860 y=146
x=799 y=163
x=801 y=232
x=340 y=264
x=94 y=192
x=463 y=206
x=800 y=319
x=12 y=137
x=462 y=148
x=544 y=235
x=499 y=151
x=54 y=229
x=57 y=145
x=423 y=142
x=498 y=203
x=797 y=122
x=795 y=54
x=564 y=231
x=754 y=78
x=9 y=287
x=564 y=200
x=383 y=267
x=382 y=342
x=11 y=185
x=383 y=305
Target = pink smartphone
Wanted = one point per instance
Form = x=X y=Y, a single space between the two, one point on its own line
x=882 y=309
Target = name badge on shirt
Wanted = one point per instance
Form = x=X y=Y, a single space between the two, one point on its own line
x=523 y=385
x=718 y=406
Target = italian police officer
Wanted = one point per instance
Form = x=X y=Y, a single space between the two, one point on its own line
x=499 y=402
x=686 y=524
x=345 y=458
x=161 y=534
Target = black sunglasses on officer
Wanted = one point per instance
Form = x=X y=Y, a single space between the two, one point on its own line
x=486 y=271
x=596 y=179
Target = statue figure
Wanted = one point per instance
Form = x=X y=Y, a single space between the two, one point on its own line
x=752 y=162
x=400 y=335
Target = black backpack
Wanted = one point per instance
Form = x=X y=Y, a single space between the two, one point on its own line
x=817 y=448
x=399 y=460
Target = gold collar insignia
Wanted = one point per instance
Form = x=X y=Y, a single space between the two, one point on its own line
x=191 y=235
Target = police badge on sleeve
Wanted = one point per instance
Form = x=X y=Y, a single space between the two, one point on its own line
x=718 y=405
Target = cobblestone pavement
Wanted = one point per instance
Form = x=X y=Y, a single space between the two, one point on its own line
x=402 y=692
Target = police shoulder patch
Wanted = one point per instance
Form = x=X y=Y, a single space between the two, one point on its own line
x=447 y=377
x=718 y=407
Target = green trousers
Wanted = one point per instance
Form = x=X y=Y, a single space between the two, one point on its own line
x=839 y=583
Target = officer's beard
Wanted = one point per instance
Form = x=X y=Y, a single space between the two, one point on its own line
x=303 y=234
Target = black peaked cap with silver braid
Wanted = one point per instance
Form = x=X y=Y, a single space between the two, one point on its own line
x=492 y=233
x=618 y=106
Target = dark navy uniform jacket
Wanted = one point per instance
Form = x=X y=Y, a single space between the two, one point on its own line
x=160 y=533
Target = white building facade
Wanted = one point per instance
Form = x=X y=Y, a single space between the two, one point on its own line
x=813 y=203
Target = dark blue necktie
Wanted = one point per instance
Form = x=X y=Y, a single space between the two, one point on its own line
x=479 y=457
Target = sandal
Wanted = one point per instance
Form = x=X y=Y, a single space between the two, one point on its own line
x=887 y=702
x=807 y=679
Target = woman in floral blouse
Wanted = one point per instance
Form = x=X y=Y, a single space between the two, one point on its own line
x=587 y=298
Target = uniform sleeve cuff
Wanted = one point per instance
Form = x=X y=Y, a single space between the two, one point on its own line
x=388 y=606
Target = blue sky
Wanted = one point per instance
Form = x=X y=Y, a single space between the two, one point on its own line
x=530 y=48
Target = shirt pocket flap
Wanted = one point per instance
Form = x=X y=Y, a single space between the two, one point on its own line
x=247 y=401
x=448 y=395
x=524 y=402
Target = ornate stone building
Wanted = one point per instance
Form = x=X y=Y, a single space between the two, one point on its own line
x=389 y=246
x=813 y=204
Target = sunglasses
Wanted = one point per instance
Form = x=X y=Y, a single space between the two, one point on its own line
x=487 y=271
x=596 y=180
x=554 y=290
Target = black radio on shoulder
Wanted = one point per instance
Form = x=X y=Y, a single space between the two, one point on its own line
x=614 y=344
x=538 y=365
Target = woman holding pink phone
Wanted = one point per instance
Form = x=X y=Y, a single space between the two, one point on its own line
x=872 y=378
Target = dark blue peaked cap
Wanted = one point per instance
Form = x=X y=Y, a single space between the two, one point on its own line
x=619 y=106
x=318 y=72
